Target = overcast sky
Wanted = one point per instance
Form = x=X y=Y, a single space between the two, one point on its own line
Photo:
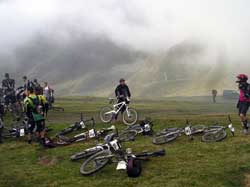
x=143 y=24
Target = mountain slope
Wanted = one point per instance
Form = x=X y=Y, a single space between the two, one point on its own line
x=87 y=65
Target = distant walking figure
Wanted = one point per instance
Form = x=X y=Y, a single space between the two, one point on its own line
x=214 y=94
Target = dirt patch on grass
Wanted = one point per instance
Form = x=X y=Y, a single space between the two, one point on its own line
x=47 y=161
x=247 y=180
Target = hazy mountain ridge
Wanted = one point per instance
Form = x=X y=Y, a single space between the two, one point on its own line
x=93 y=65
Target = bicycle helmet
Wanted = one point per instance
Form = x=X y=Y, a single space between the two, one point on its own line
x=134 y=168
x=242 y=78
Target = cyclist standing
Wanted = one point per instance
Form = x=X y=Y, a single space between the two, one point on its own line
x=8 y=86
x=214 y=95
x=38 y=87
x=48 y=93
x=244 y=100
x=122 y=93
x=35 y=116
x=27 y=84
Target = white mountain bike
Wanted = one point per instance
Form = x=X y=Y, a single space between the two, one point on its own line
x=107 y=113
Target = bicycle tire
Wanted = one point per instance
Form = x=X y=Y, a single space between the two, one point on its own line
x=101 y=164
x=215 y=136
x=106 y=118
x=163 y=139
x=133 y=113
x=128 y=135
x=6 y=133
x=84 y=154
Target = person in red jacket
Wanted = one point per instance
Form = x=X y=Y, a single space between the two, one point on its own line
x=244 y=100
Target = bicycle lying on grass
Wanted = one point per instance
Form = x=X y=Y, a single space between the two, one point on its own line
x=107 y=113
x=213 y=133
x=88 y=132
x=18 y=129
x=129 y=134
x=115 y=154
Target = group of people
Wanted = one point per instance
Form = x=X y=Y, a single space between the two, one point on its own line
x=36 y=100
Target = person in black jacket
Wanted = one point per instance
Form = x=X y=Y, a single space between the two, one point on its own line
x=8 y=86
x=122 y=93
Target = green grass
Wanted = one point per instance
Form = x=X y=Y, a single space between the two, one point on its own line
x=187 y=163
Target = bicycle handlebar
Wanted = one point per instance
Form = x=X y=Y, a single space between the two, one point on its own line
x=161 y=152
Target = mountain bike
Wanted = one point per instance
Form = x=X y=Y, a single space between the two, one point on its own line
x=171 y=134
x=17 y=129
x=213 y=133
x=123 y=137
x=62 y=138
x=107 y=113
x=217 y=132
x=116 y=154
x=89 y=132
x=145 y=127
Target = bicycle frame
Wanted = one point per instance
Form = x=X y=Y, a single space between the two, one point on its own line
x=117 y=108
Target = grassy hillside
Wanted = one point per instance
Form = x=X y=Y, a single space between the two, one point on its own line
x=187 y=163
x=88 y=65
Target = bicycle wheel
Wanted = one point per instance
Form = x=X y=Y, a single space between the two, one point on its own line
x=106 y=115
x=163 y=139
x=95 y=163
x=84 y=154
x=214 y=136
x=6 y=133
x=128 y=135
x=130 y=117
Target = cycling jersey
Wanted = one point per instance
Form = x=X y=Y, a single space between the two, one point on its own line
x=42 y=99
x=244 y=92
x=33 y=107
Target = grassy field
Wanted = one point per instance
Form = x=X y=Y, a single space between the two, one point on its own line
x=187 y=163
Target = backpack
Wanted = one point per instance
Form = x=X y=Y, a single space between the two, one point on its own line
x=36 y=102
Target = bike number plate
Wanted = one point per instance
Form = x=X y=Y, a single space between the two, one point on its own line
x=92 y=133
x=82 y=125
x=121 y=165
x=188 y=131
x=115 y=145
x=22 y=133
x=147 y=128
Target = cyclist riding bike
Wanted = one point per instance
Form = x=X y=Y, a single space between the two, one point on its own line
x=34 y=112
x=8 y=86
x=122 y=93
x=244 y=100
